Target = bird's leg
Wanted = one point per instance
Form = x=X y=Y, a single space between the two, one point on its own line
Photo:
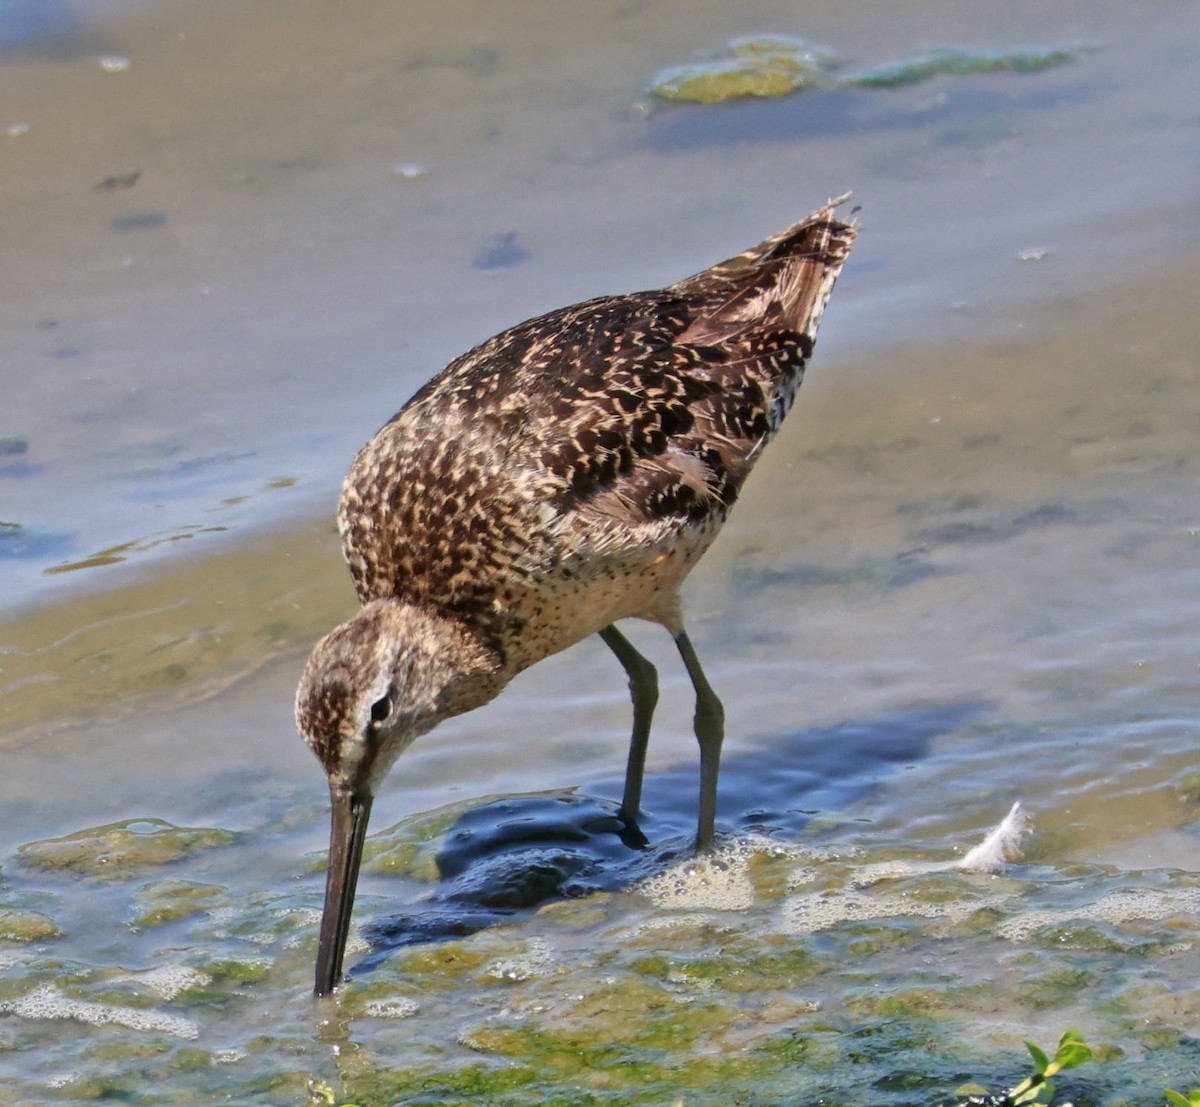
x=709 y=724
x=643 y=688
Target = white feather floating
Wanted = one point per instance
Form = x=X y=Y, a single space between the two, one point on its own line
x=1000 y=845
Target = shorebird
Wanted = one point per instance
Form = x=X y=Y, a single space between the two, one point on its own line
x=562 y=476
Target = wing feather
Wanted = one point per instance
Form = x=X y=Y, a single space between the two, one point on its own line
x=633 y=415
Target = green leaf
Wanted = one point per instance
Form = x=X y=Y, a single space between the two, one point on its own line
x=1176 y=1100
x=1039 y=1058
x=1044 y=1095
x=1071 y=1055
x=1033 y=1090
x=1018 y=1093
x=1072 y=1051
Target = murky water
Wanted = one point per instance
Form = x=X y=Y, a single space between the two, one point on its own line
x=967 y=573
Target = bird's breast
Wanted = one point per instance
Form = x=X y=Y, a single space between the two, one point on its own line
x=633 y=574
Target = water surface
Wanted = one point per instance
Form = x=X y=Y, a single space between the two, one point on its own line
x=966 y=573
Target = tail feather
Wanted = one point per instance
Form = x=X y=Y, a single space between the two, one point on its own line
x=782 y=282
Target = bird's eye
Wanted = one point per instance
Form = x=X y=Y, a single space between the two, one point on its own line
x=381 y=709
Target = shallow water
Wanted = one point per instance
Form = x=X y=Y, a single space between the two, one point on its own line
x=965 y=574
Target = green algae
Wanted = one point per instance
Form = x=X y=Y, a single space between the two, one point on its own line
x=1160 y=1037
x=167 y=901
x=773 y=66
x=440 y=966
x=410 y=847
x=657 y=1060
x=17 y=925
x=868 y=938
x=121 y=850
x=231 y=970
x=935 y=888
x=819 y=1063
x=956 y=61
x=982 y=920
x=738 y=971
x=755 y=67
x=1058 y=988
x=1187 y=789
x=923 y=995
x=189 y=1059
x=383 y=1000
x=630 y=999
x=576 y=914
x=681 y=934
x=1081 y=936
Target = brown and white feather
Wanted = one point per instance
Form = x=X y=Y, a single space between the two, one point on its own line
x=569 y=471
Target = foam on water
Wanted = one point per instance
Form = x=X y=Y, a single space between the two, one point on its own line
x=47 y=1002
x=221 y=918
x=230 y=1056
x=537 y=960
x=718 y=881
x=397 y=1007
x=1001 y=845
x=820 y=910
x=814 y=911
x=1116 y=908
x=878 y=872
x=168 y=981
x=722 y=881
x=827 y=906
x=678 y=922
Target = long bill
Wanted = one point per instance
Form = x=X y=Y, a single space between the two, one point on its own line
x=348 y=830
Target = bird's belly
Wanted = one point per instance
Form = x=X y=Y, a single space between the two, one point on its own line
x=579 y=599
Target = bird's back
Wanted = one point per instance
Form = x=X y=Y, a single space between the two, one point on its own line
x=569 y=471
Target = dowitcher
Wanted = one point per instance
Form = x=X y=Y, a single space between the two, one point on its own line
x=562 y=476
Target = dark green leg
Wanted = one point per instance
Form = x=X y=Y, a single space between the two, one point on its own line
x=709 y=724
x=643 y=687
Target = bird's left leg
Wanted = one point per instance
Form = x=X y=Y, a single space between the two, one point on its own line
x=643 y=688
x=709 y=724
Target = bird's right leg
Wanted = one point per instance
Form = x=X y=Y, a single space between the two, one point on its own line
x=709 y=722
x=643 y=687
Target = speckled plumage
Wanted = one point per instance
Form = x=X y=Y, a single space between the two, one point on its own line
x=577 y=445
x=561 y=476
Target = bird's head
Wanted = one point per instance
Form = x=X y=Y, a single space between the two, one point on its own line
x=372 y=686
